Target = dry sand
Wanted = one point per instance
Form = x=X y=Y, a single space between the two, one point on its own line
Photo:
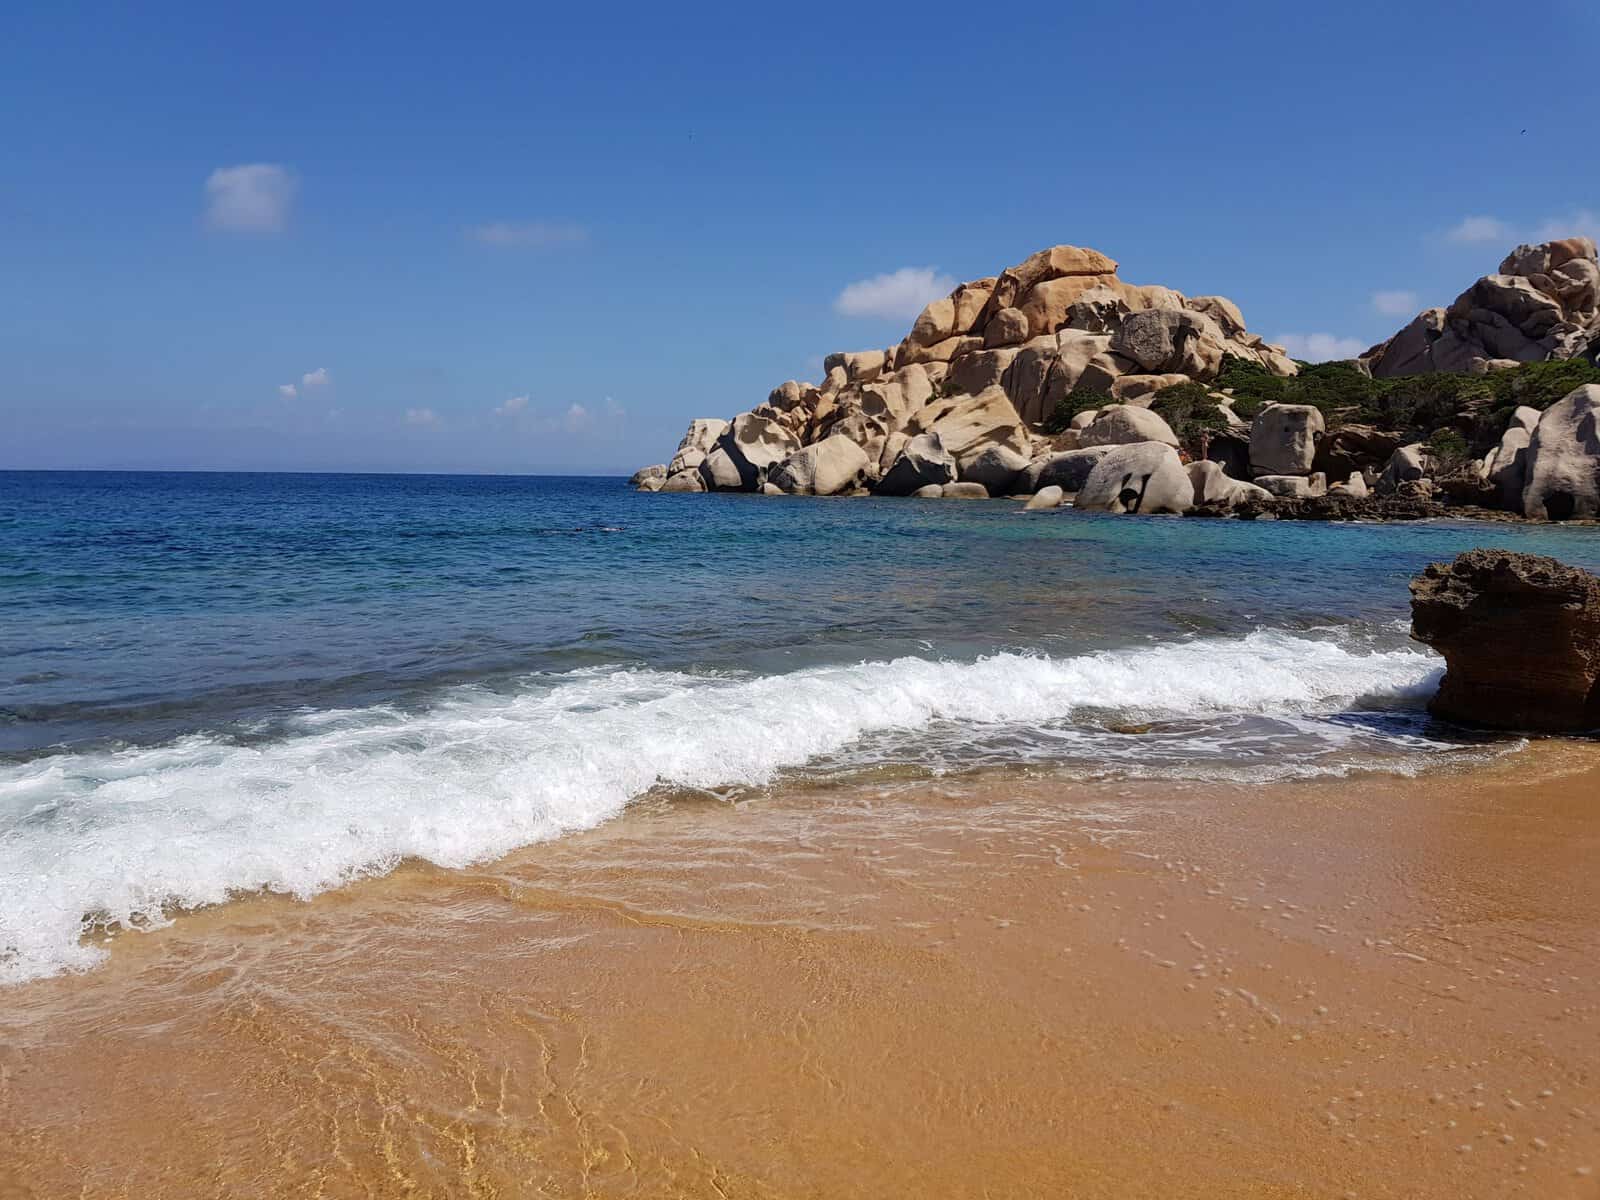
x=993 y=987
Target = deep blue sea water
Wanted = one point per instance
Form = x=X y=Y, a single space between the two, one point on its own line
x=212 y=683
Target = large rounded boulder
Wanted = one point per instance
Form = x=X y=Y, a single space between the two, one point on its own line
x=1283 y=439
x=923 y=463
x=1126 y=424
x=1145 y=477
x=1563 y=459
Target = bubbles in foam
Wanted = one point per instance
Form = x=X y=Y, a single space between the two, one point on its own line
x=119 y=838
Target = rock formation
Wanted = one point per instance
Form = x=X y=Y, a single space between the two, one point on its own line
x=1520 y=635
x=964 y=398
x=1038 y=376
x=1543 y=303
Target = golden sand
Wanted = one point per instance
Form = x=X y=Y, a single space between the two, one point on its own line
x=1001 y=987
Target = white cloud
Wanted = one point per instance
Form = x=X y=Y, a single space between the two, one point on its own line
x=1481 y=229
x=899 y=295
x=577 y=419
x=254 y=198
x=537 y=235
x=288 y=391
x=317 y=378
x=511 y=407
x=1396 y=303
x=421 y=416
x=1582 y=223
x=1319 y=347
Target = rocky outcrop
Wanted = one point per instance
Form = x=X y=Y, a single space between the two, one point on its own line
x=649 y=479
x=1520 y=636
x=1065 y=469
x=1145 y=477
x=983 y=369
x=1543 y=303
x=1563 y=459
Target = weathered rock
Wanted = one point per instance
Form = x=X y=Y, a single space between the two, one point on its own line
x=995 y=467
x=1354 y=448
x=1124 y=424
x=1355 y=485
x=1563 y=459
x=1047 y=305
x=684 y=481
x=935 y=323
x=922 y=463
x=970 y=300
x=1066 y=469
x=645 y=474
x=1406 y=465
x=1506 y=468
x=1283 y=439
x=1024 y=380
x=1543 y=303
x=1008 y=327
x=1145 y=477
x=929 y=491
x=1163 y=340
x=945 y=351
x=721 y=473
x=1045 y=497
x=1140 y=390
x=964 y=491
x=965 y=423
x=1520 y=635
x=821 y=469
x=771 y=489
x=755 y=445
x=981 y=370
x=1294 y=486
x=696 y=444
x=1213 y=486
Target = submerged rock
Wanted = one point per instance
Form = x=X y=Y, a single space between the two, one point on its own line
x=1520 y=635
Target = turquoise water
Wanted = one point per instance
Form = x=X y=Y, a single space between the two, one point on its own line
x=218 y=683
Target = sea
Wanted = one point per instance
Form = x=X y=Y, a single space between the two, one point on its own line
x=214 y=685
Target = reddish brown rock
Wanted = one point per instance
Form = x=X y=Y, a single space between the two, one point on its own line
x=1520 y=635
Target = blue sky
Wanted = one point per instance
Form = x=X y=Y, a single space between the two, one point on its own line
x=541 y=238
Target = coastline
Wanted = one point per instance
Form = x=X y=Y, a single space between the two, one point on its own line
x=1008 y=982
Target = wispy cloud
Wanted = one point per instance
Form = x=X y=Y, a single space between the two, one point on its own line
x=1581 y=222
x=1320 y=347
x=1480 y=229
x=1395 y=303
x=577 y=419
x=288 y=391
x=1584 y=222
x=317 y=378
x=511 y=407
x=898 y=295
x=253 y=198
x=533 y=235
x=423 y=417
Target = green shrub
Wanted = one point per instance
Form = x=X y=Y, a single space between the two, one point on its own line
x=1541 y=384
x=1449 y=451
x=1190 y=410
x=1074 y=402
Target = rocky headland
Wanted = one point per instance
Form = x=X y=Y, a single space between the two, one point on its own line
x=1057 y=382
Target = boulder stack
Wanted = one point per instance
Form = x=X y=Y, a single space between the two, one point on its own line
x=1543 y=303
x=964 y=398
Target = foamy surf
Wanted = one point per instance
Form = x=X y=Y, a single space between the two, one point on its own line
x=121 y=839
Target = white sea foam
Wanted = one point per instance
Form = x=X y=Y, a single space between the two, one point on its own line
x=120 y=839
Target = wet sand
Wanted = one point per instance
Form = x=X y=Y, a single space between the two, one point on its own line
x=1002 y=986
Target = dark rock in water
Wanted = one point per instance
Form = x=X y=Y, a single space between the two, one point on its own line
x=1334 y=506
x=1520 y=635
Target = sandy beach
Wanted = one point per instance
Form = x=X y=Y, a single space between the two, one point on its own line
x=999 y=985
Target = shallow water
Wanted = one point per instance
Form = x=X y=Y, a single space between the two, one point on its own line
x=213 y=684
